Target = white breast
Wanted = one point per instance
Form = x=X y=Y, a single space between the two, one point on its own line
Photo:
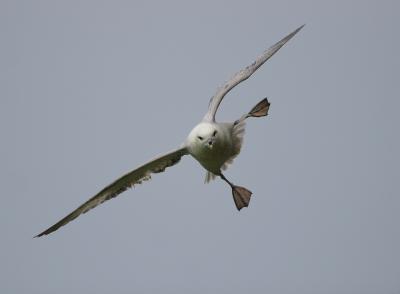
x=211 y=158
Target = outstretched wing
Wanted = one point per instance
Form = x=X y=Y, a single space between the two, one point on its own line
x=243 y=75
x=136 y=176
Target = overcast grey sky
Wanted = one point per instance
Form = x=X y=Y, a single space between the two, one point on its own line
x=91 y=89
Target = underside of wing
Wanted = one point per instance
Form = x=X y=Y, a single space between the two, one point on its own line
x=127 y=181
x=243 y=75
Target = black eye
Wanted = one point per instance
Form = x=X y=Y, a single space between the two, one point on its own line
x=215 y=132
x=201 y=138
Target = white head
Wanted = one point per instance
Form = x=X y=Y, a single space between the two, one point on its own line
x=202 y=137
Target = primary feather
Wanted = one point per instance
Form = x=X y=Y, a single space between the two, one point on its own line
x=125 y=182
x=243 y=75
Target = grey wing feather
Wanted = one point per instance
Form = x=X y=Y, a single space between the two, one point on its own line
x=136 y=176
x=243 y=75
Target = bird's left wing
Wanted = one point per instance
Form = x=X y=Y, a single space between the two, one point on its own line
x=243 y=75
x=136 y=176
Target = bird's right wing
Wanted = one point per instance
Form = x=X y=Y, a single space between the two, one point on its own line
x=243 y=75
x=136 y=176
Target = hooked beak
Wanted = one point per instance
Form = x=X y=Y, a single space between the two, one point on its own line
x=210 y=143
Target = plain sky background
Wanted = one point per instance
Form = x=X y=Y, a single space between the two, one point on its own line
x=91 y=89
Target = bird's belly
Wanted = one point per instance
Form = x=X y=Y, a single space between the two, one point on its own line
x=213 y=159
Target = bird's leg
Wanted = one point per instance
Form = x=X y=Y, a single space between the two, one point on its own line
x=261 y=109
x=241 y=195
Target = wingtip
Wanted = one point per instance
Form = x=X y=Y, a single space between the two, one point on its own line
x=44 y=233
x=38 y=235
x=296 y=30
x=282 y=42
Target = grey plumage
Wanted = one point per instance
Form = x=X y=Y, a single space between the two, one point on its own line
x=243 y=75
x=214 y=145
x=137 y=176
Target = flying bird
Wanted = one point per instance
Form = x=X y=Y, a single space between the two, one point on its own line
x=213 y=144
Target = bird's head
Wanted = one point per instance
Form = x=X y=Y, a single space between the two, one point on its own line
x=202 y=137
